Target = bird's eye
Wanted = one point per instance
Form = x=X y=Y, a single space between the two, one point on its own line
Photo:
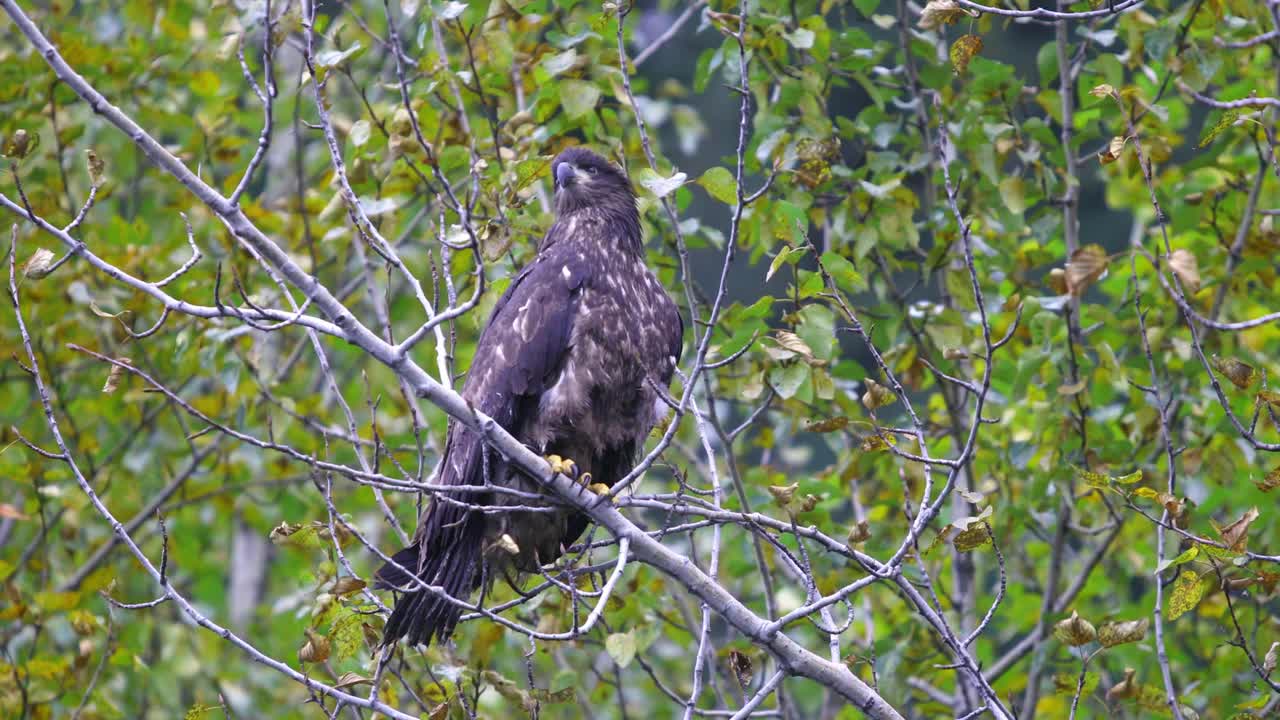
x=592 y=169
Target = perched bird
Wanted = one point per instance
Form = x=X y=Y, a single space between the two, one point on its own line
x=567 y=364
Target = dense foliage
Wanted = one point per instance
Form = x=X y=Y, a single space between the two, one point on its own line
x=978 y=392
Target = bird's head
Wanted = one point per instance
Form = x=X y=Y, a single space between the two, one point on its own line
x=583 y=179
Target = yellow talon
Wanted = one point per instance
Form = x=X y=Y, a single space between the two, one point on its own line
x=567 y=467
x=556 y=462
x=598 y=488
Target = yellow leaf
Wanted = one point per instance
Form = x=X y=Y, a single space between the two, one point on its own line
x=1270 y=397
x=963 y=50
x=871 y=443
x=973 y=538
x=1187 y=592
x=1073 y=388
x=877 y=395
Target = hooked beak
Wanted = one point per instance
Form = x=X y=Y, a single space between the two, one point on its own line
x=566 y=174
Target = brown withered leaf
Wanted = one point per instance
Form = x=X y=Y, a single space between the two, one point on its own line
x=1113 y=151
x=1270 y=481
x=315 y=650
x=1103 y=90
x=38 y=265
x=783 y=494
x=859 y=533
x=807 y=503
x=1126 y=688
x=1269 y=662
x=839 y=422
x=1240 y=374
x=1186 y=268
x=740 y=666
x=963 y=51
x=1056 y=280
x=877 y=395
x=1236 y=535
x=114 y=375
x=352 y=679
x=1268 y=581
x=96 y=167
x=792 y=342
x=940 y=12
x=1111 y=634
x=1084 y=268
x=347 y=585
x=1075 y=630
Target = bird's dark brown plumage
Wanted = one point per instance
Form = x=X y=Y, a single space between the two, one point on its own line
x=564 y=364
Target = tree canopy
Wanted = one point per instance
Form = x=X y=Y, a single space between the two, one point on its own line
x=976 y=414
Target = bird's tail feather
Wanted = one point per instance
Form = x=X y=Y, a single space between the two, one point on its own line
x=423 y=615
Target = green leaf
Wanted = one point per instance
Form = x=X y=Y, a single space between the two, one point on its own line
x=360 y=133
x=346 y=634
x=559 y=62
x=1185 y=556
x=1227 y=120
x=787 y=379
x=786 y=255
x=334 y=58
x=1065 y=684
x=720 y=184
x=1013 y=194
x=52 y=601
x=578 y=97
x=842 y=272
x=657 y=185
x=801 y=39
x=451 y=10
x=621 y=647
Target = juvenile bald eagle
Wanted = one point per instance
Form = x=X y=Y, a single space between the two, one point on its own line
x=564 y=365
